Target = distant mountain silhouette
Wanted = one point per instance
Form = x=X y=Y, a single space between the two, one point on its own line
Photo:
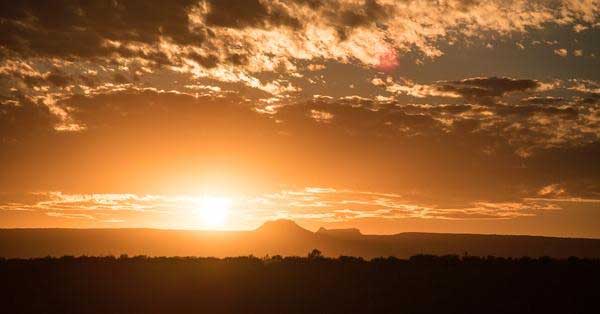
x=283 y=226
x=349 y=233
x=280 y=237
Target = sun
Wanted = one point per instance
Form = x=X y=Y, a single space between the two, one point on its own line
x=214 y=211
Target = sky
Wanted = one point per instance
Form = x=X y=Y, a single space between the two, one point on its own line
x=461 y=116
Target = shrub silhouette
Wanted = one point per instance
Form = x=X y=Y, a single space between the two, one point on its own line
x=315 y=254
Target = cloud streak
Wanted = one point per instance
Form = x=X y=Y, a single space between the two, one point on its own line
x=318 y=204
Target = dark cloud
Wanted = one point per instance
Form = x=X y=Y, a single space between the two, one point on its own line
x=436 y=110
x=67 y=28
x=589 y=91
x=484 y=88
x=88 y=80
x=107 y=30
x=238 y=59
x=120 y=78
x=208 y=61
x=367 y=13
x=548 y=100
x=365 y=120
x=528 y=110
x=247 y=13
x=23 y=122
x=32 y=79
x=591 y=99
x=58 y=79
x=313 y=4
x=28 y=79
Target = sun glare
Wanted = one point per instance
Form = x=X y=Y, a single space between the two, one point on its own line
x=214 y=211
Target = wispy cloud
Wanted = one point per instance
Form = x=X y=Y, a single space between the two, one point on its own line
x=313 y=203
x=342 y=205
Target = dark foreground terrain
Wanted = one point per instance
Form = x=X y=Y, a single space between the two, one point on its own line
x=421 y=284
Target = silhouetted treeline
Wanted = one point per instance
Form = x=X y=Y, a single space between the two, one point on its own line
x=313 y=284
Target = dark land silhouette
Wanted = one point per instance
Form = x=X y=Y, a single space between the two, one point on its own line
x=312 y=284
x=447 y=273
x=281 y=237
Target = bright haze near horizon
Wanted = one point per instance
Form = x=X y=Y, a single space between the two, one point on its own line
x=460 y=116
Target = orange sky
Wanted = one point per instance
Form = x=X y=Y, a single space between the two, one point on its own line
x=438 y=116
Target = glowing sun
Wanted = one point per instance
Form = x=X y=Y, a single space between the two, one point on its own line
x=214 y=211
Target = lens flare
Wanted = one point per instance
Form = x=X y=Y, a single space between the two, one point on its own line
x=388 y=61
